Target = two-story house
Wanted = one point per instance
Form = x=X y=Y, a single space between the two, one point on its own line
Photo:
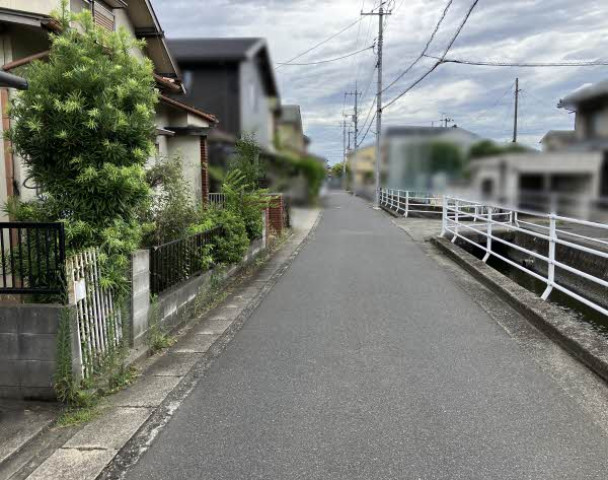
x=234 y=78
x=571 y=175
x=24 y=35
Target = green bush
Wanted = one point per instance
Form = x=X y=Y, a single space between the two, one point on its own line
x=232 y=244
x=85 y=130
x=172 y=210
x=245 y=201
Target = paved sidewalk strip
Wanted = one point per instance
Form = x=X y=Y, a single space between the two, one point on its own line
x=88 y=452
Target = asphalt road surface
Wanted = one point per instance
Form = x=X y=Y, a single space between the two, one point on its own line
x=366 y=361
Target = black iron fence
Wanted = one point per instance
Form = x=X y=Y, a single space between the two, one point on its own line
x=32 y=258
x=180 y=260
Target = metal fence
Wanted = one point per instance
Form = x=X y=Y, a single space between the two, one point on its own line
x=407 y=202
x=99 y=319
x=180 y=260
x=217 y=199
x=32 y=258
x=461 y=218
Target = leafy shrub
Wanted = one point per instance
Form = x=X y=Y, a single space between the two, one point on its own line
x=245 y=201
x=85 y=130
x=171 y=211
x=247 y=161
x=314 y=172
x=231 y=246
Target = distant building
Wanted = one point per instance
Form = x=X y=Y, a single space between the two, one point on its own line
x=233 y=78
x=362 y=165
x=590 y=105
x=572 y=172
x=182 y=130
x=558 y=140
x=409 y=152
x=290 y=133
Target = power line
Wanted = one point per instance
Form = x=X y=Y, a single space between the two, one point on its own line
x=440 y=61
x=371 y=108
x=367 y=131
x=328 y=60
x=426 y=47
x=588 y=63
x=323 y=42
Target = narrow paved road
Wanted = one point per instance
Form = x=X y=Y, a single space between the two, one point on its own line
x=367 y=362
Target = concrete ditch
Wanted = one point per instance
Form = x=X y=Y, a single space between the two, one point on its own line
x=577 y=337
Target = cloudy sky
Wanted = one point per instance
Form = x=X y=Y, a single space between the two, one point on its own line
x=479 y=99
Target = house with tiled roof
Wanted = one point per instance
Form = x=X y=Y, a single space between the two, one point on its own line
x=182 y=129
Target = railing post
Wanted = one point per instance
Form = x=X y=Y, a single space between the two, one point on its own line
x=407 y=204
x=456 y=220
x=444 y=217
x=551 y=261
x=489 y=237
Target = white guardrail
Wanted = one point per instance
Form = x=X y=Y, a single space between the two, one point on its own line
x=406 y=202
x=488 y=221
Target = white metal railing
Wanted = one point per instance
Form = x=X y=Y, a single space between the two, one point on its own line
x=99 y=319
x=460 y=216
x=406 y=202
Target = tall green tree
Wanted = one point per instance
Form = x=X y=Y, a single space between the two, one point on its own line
x=85 y=130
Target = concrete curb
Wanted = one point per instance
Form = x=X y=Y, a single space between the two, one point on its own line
x=576 y=337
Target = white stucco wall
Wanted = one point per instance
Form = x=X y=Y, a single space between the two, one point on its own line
x=43 y=7
x=121 y=20
x=256 y=116
x=583 y=167
x=187 y=147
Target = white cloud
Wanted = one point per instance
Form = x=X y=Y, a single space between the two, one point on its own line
x=477 y=98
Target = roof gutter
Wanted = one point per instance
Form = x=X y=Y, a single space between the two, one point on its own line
x=12 y=81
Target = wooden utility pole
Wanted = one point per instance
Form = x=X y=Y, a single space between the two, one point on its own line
x=381 y=14
x=517 y=90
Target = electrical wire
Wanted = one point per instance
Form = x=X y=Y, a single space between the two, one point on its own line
x=588 y=63
x=426 y=47
x=371 y=108
x=438 y=62
x=368 y=129
x=328 y=60
x=323 y=42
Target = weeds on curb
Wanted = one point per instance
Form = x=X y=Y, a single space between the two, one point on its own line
x=157 y=337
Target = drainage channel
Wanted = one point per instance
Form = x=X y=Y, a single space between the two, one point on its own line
x=598 y=321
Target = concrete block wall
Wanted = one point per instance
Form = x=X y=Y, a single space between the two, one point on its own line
x=28 y=332
x=140 y=296
x=28 y=347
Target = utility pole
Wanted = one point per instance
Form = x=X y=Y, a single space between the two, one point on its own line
x=355 y=118
x=344 y=157
x=381 y=14
x=517 y=90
